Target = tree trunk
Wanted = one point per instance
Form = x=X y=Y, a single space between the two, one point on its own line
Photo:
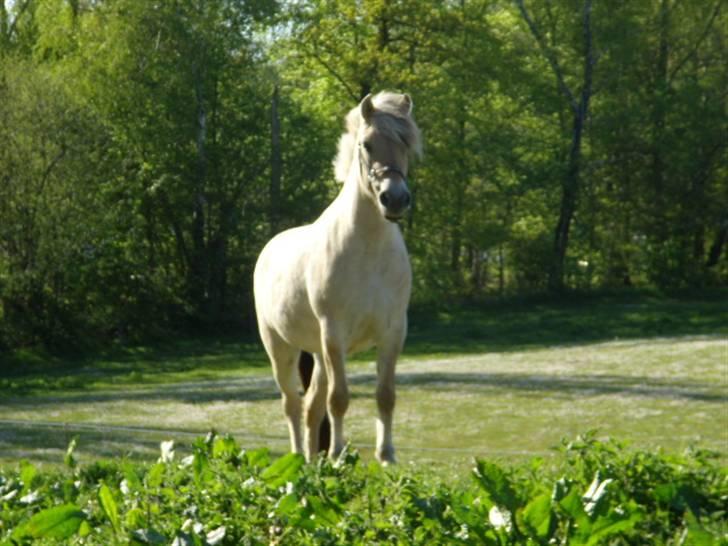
x=717 y=247
x=572 y=181
x=198 y=266
x=659 y=97
x=275 y=163
x=501 y=271
x=569 y=192
x=580 y=110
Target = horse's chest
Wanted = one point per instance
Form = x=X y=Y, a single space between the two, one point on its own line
x=373 y=305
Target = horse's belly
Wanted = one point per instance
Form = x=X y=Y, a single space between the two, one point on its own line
x=300 y=329
x=375 y=323
x=362 y=338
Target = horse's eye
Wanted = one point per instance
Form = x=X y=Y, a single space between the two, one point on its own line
x=368 y=147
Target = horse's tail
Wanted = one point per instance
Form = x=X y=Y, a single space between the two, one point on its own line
x=305 y=368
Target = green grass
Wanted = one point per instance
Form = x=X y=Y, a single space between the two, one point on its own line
x=510 y=326
x=449 y=330
x=504 y=381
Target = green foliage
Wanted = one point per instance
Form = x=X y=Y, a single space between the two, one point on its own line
x=594 y=492
x=140 y=177
x=60 y=522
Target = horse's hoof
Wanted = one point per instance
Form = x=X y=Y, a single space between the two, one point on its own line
x=386 y=457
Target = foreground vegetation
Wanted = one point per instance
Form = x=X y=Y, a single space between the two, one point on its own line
x=597 y=492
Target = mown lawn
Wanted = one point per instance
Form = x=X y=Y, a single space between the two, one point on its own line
x=503 y=381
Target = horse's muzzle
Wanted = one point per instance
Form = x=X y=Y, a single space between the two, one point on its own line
x=395 y=200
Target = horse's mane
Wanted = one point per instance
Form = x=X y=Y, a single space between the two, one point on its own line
x=391 y=117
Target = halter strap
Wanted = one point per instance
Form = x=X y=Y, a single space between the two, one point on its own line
x=381 y=171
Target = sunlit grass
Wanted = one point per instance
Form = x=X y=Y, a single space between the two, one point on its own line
x=664 y=393
x=504 y=381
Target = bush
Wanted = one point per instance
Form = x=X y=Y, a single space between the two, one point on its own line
x=596 y=493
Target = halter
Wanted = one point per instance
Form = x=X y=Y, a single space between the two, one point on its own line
x=377 y=174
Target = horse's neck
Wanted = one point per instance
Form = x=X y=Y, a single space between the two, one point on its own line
x=356 y=218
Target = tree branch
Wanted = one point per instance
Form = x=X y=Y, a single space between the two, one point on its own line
x=18 y=15
x=699 y=41
x=333 y=72
x=549 y=54
x=589 y=60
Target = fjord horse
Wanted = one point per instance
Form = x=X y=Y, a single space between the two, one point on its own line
x=342 y=284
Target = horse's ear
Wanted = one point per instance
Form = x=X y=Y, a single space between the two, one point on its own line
x=407 y=104
x=367 y=108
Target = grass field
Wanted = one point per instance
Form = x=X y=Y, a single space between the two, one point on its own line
x=493 y=381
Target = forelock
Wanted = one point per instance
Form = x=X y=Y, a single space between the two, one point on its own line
x=393 y=120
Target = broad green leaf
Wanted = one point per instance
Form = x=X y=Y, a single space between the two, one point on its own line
x=285 y=469
x=697 y=535
x=258 y=458
x=135 y=518
x=132 y=478
x=572 y=505
x=27 y=474
x=324 y=512
x=536 y=517
x=85 y=529
x=288 y=504
x=155 y=476
x=666 y=493
x=224 y=446
x=493 y=480
x=59 y=522
x=108 y=505
x=200 y=465
x=612 y=524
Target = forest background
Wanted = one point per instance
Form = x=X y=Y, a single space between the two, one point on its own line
x=149 y=149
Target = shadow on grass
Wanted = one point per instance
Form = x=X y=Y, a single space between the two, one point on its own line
x=264 y=389
x=558 y=386
x=510 y=327
x=47 y=442
x=465 y=329
x=201 y=359
x=187 y=393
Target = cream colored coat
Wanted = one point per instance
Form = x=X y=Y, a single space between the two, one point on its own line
x=341 y=284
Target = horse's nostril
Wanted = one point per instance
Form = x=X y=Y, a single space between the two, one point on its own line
x=384 y=198
x=406 y=199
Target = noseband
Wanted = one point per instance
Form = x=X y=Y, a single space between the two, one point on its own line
x=375 y=175
x=381 y=172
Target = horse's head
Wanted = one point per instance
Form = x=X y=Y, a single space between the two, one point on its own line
x=383 y=136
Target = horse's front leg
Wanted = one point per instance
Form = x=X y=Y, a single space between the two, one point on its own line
x=387 y=355
x=315 y=409
x=337 y=399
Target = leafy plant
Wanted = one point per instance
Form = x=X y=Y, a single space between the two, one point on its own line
x=593 y=492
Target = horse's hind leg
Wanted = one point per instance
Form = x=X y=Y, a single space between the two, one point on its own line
x=284 y=358
x=315 y=411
